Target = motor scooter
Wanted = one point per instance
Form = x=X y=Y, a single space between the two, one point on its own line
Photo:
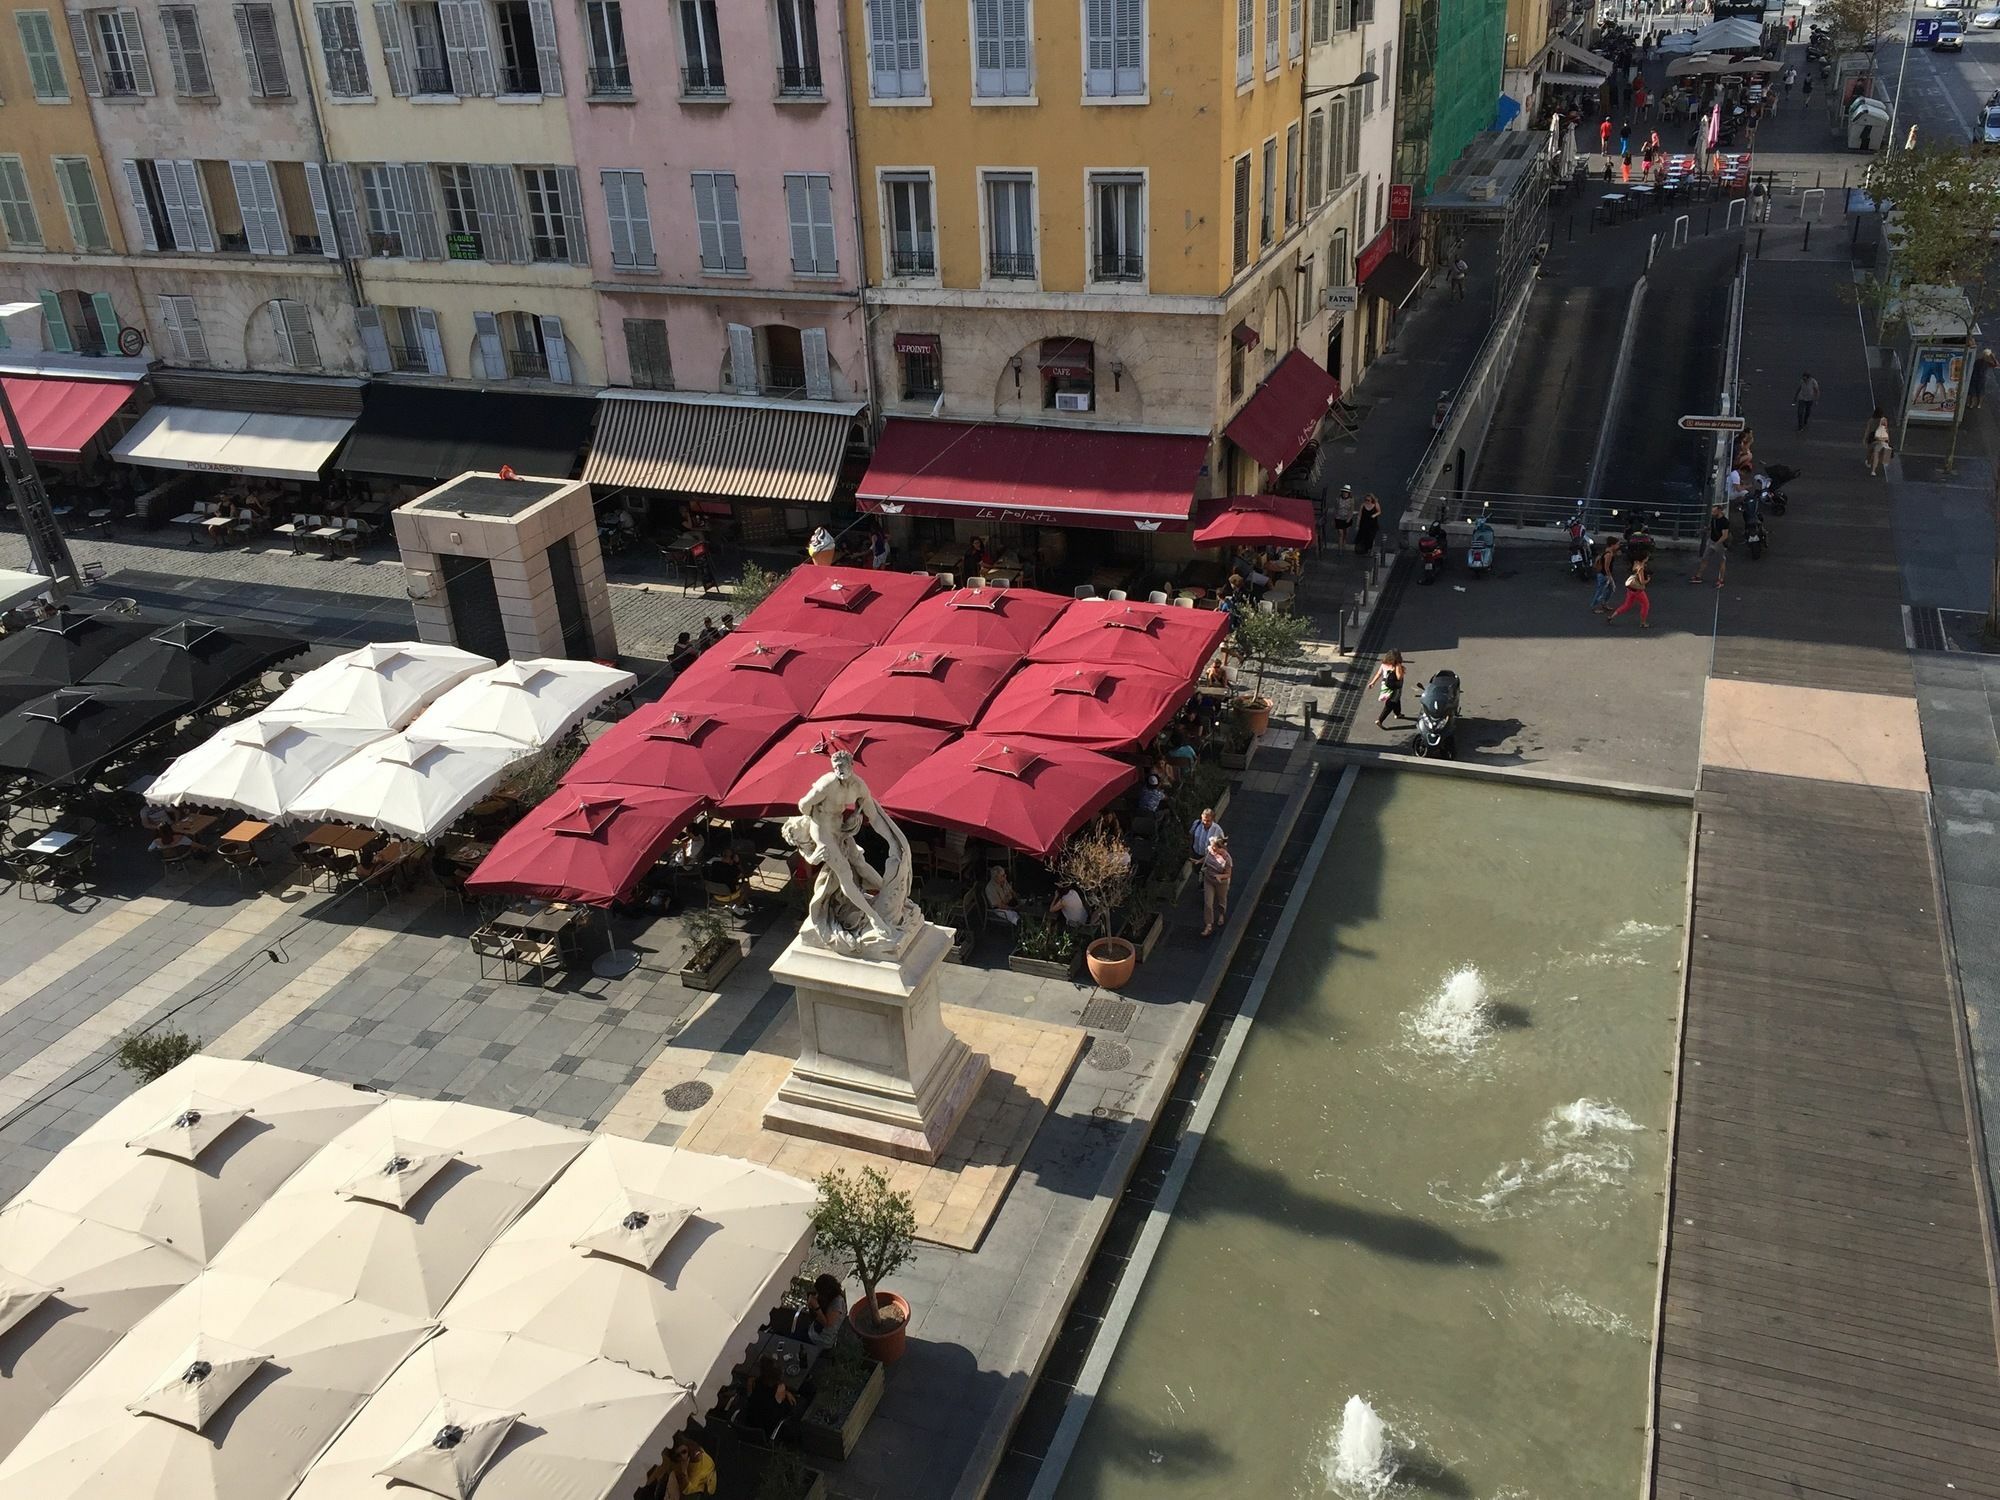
x=1431 y=544
x=1754 y=537
x=1479 y=551
x=1436 y=733
x=1581 y=551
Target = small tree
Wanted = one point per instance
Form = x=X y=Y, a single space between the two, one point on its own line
x=752 y=587
x=148 y=1055
x=1857 y=25
x=1271 y=640
x=1100 y=867
x=868 y=1227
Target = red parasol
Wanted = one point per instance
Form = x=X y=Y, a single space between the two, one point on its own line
x=853 y=604
x=1169 y=638
x=1254 y=521
x=998 y=619
x=768 y=669
x=1105 y=708
x=917 y=684
x=586 y=843
x=691 y=747
x=776 y=780
x=1029 y=794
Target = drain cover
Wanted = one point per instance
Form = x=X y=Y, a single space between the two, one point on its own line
x=684 y=1098
x=1105 y=1014
x=1107 y=1056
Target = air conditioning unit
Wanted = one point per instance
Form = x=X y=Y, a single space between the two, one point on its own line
x=1072 y=400
x=420 y=584
x=1482 y=187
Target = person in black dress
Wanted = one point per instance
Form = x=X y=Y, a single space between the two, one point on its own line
x=1366 y=524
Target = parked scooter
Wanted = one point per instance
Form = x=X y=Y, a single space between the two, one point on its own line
x=1431 y=543
x=1754 y=538
x=1479 y=552
x=1776 y=477
x=1581 y=552
x=1436 y=733
x=1638 y=539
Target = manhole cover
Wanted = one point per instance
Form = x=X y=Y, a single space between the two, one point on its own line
x=1104 y=1014
x=1107 y=1056
x=684 y=1098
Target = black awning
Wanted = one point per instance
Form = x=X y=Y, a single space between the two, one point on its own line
x=432 y=432
x=1394 y=280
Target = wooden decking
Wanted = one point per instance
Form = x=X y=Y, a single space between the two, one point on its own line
x=1829 y=1318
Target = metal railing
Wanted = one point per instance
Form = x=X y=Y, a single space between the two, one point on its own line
x=1121 y=267
x=407 y=360
x=702 y=81
x=799 y=80
x=914 y=262
x=1009 y=266
x=517 y=78
x=527 y=364
x=430 y=80
x=609 y=81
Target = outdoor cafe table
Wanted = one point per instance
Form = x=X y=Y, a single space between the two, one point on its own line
x=247 y=832
x=194 y=825
x=52 y=843
x=343 y=836
x=552 y=921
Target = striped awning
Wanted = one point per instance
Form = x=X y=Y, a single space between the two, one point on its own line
x=749 y=452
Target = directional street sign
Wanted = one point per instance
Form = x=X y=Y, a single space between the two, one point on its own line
x=1711 y=424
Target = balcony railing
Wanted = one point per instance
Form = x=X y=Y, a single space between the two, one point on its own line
x=430 y=80
x=407 y=360
x=1010 y=266
x=609 y=81
x=389 y=245
x=785 y=380
x=800 y=80
x=527 y=364
x=914 y=261
x=121 y=85
x=515 y=79
x=703 y=81
x=542 y=247
x=1120 y=267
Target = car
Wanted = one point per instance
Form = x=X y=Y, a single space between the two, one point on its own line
x=1986 y=20
x=1989 y=126
x=1951 y=37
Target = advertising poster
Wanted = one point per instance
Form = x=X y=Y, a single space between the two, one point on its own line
x=1937 y=377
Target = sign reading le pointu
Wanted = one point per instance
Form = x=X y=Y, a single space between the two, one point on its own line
x=1711 y=424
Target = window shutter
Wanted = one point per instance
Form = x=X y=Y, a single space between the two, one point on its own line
x=432 y=340
x=185 y=54
x=542 y=16
x=257 y=29
x=492 y=357
x=1241 y=247
x=329 y=238
x=1270 y=34
x=569 y=193
x=882 y=51
x=468 y=49
x=1129 y=52
x=986 y=46
x=77 y=204
x=137 y=187
x=502 y=235
x=194 y=342
x=743 y=360
x=284 y=332
x=1014 y=47
x=173 y=204
x=1315 y=155
x=422 y=237
x=170 y=323
x=556 y=349
x=38 y=44
x=57 y=329
x=389 y=31
x=1320 y=20
x=1292 y=173
x=299 y=340
x=800 y=215
x=616 y=217
x=135 y=48
x=1099 y=47
x=819 y=371
x=86 y=58
x=339 y=178
x=1246 y=38
x=1295 y=26
x=193 y=204
x=270 y=209
x=108 y=322
x=646 y=354
x=729 y=221
x=709 y=226
x=819 y=202
x=246 y=203
x=1353 y=141
x=374 y=343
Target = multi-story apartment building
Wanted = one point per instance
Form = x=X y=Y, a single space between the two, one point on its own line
x=1082 y=227
x=1450 y=58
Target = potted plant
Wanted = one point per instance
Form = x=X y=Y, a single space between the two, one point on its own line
x=752 y=587
x=149 y=1055
x=1238 y=745
x=849 y=1386
x=786 y=1476
x=1145 y=914
x=1269 y=640
x=713 y=949
x=1100 y=867
x=867 y=1226
x=1045 y=947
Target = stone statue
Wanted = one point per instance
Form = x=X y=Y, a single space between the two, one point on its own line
x=854 y=908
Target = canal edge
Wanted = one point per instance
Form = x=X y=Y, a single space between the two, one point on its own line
x=1118 y=1313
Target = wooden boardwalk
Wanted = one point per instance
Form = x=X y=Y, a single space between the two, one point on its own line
x=1829 y=1322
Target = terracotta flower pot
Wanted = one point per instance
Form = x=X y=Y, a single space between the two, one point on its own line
x=1255 y=713
x=1111 y=962
x=886 y=1346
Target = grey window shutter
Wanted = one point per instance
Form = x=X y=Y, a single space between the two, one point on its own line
x=639 y=217
x=56 y=325
x=468 y=48
x=420 y=224
x=374 y=343
x=108 y=321
x=882 y=47
x=283 y=330
x=170 y=325
x=819 y=203
x=135 y=47
x=617 y=218
x=257 y=29
x=185 y=54
x=1129 y=49
x=569 y=193
x=389 y=29
x=819 y=370
x=548 y=61
x=246 y=203
x=173 y=204
x=432 y=341
x=86 y=58
x=486 y=328
x=195 y=206
x=729 y=221
x=397 y=181
x=502 y=234
x=271 y=210
x=346 y=217
x=1014 y=47
x=1099 y=47
x=298 y=336
x=329 y=238
x=135 y=185
x=743 y=359
x=706 y=221
x=556 y=347
x=800 y=216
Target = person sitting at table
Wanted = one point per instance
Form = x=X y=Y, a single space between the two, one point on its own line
x=977 y=560
x=155 y=819
x=709 y=634
x=818 y=1322
x=167 y=840
x=1151 y=796
x=728 y=623
x=687 y=851
x=1000 y=897
x=726 y=870
x=878 y=547
x=1068 y=903
x=684 y=652
x=769 y=1405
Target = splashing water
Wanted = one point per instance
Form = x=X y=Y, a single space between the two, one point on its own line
x=1362 y=1461
x=1632 y=928
x=1572 y=1307
x=1581 y=1155
x=1457 y=1018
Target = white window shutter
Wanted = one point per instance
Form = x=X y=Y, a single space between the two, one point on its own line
x=729 y=220
x=397 y=180
x=173 y=205
x=492 y=357
x=743 y=359
x=86 y=57
x=800 y=217
x=819 y=203
x=1129 y=46
x=421 y=222
x=195 y=205
x=1099 y=47
x=640 y=217
x=503 y=235
x=707 y=223
x=468 y=48
x=881 y=48
x=339 y=178
x=136 y=186
x=432 y=341
x=194 y=340
x=556 y=348
x=819 y=370
x=1014 y=47
x=374 y=343
x=185 y=55
x=548 y=61
x=135 y=48
x=618 y=218
x=246 y=203
x=395 y=57
x=300 y=340
x=329 y=238
x=986 y=47
x=569 y=194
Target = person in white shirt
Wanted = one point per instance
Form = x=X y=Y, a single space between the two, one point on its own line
x=1070 y=905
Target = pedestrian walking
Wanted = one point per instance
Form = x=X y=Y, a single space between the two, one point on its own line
x=1805 y=89
x=1976 y=387
x=1609 y=558
x=1388 y=679
x=1625 y=139
x=1343 y=513
x=1877 y=440
x=1604 y=136
x=1366 y=523
x=1216 y=868
x=1637 y=583
x=1804 y=397
x=1458 y=269
x=1714 y=543
x=1791 y=77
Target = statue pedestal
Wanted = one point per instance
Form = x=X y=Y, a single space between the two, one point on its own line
x=877 y=1067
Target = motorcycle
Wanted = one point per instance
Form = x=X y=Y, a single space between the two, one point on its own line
x=1436 y=733
x=1754 y=538
x=1580 y=550
x=1479 y=551
x=1431 y=552
x=1776 y=477
x=1638 y=540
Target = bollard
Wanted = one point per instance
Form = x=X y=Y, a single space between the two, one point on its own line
x=1572 y=228
x=1806 y=243
x=1708 y=225
x=1760 y=242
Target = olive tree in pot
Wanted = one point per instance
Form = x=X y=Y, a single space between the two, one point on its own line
x=1100 y=867
x=867 y=1226
x=1268 y=640
x=714 y=951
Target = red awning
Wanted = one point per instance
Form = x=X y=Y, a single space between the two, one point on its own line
x=1049 y=476
x=1255 y=521
x=1285 y=413
x=60 y=417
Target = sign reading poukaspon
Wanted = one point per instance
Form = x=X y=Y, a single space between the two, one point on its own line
x=1711 y=424
x=1343 y=299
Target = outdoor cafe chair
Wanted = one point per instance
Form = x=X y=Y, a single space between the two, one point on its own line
x=295 y=528
x=947 y=580
x=1157 y=596
x=242 y=858
x=1116 y=596
x=1084 y=591
x=975 y=583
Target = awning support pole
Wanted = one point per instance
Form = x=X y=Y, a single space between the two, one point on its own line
x=38 y=518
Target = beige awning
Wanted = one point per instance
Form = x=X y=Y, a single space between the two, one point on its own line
x=232 y=442
x=779 y=452
x=1589 y=61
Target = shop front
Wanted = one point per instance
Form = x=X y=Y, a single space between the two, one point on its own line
x=1388 y=273
x=69 y=423
x=408 y=438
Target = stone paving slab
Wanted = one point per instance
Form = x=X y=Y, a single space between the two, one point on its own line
x=1870 y=739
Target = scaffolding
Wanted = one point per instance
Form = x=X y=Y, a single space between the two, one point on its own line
x=1499 y=183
